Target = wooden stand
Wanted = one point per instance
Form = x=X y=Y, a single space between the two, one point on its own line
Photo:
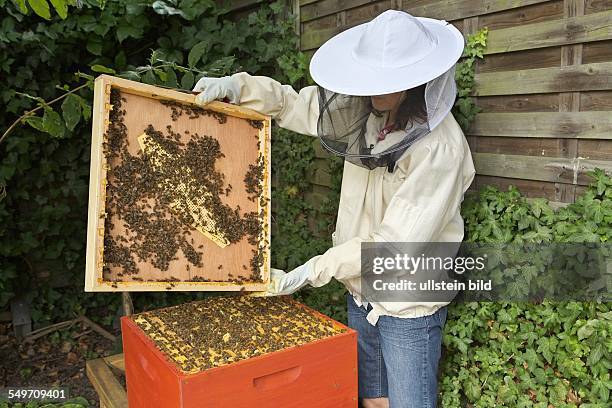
x=105 y=382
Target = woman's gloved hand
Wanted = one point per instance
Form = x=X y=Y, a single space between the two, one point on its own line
x=286 y=283
x=211 y=89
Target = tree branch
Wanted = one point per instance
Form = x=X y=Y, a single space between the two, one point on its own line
x=31 y=112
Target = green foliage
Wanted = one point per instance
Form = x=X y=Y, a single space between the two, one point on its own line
x=530 y=355
x=43 y=9
x=465 y=109
x=78 y=402
x=44 y=162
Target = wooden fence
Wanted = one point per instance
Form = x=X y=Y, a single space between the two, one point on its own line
x=544 y=86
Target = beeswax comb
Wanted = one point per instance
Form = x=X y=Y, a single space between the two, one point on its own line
x=189 y=195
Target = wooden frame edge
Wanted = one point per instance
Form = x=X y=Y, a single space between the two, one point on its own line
x=151 y=91
x=96 y=166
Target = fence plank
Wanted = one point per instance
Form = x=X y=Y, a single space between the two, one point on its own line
x=528 y=146
x=599 y=51
x=526 y=59
x=320 y=151
x=521 y=103
x=591 y=27
x=559 y=170
x=582 y=125
x=528 y=188
x=595 y=149
x=324 y=8
x=444 y=9
x=596 y=101
x=321 y=177
x=460 y=9
x=546 y=80
x=535 y=13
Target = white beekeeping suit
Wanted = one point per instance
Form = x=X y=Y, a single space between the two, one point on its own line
x=407 y=187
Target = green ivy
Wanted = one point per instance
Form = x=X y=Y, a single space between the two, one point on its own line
x=465 y=109
x=531 y=355
x=43 y=9
x=78 y=402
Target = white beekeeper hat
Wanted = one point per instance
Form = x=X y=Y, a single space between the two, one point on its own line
x=393 y=52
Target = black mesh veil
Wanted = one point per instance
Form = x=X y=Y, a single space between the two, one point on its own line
x=348 y=125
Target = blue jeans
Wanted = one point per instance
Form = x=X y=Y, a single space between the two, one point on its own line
x=398 y=358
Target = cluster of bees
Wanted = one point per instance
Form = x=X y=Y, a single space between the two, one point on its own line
x=193 y=112
x=253 y=177
x=220 y=330
x=135 y=201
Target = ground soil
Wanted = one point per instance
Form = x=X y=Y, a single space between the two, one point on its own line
x=57 y=359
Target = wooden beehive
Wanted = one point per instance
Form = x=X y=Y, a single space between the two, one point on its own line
x=239 y=351
x=179 y=194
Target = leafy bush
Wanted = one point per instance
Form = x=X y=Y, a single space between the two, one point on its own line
x=554 y=354
x=78 y=402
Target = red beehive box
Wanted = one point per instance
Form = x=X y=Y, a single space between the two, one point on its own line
x=239 y=351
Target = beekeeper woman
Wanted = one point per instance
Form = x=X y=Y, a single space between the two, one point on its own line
x=382 y=100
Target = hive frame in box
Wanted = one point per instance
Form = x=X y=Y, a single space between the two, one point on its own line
x=94 y=280
x=321 y=373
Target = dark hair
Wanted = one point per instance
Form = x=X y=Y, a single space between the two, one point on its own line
x=413 y=108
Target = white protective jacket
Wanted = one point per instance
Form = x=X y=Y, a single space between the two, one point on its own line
x=418 y=202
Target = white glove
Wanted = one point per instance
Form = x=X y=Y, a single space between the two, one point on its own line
x=283 y=283
x=217 y=89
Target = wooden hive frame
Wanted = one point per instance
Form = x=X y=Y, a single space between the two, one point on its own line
x=94 y=276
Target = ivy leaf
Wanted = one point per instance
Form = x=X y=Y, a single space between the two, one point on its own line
x=36 y=122
x=61 y=8
x=131 y=75
x=149 y=78
x=52 y=123
x=187 y=81
x=102 y=69
x=196 y=53
x=21 y=5
x=124 y=31
x=472 y=390
x=162 y=75
x=596 y=354
x=85 y=109
x=94 y=45
x=71 y=111
x=41 y=7
x=171 y=79
x=585 y=331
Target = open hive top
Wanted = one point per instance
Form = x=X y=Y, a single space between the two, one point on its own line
x=221 y=330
